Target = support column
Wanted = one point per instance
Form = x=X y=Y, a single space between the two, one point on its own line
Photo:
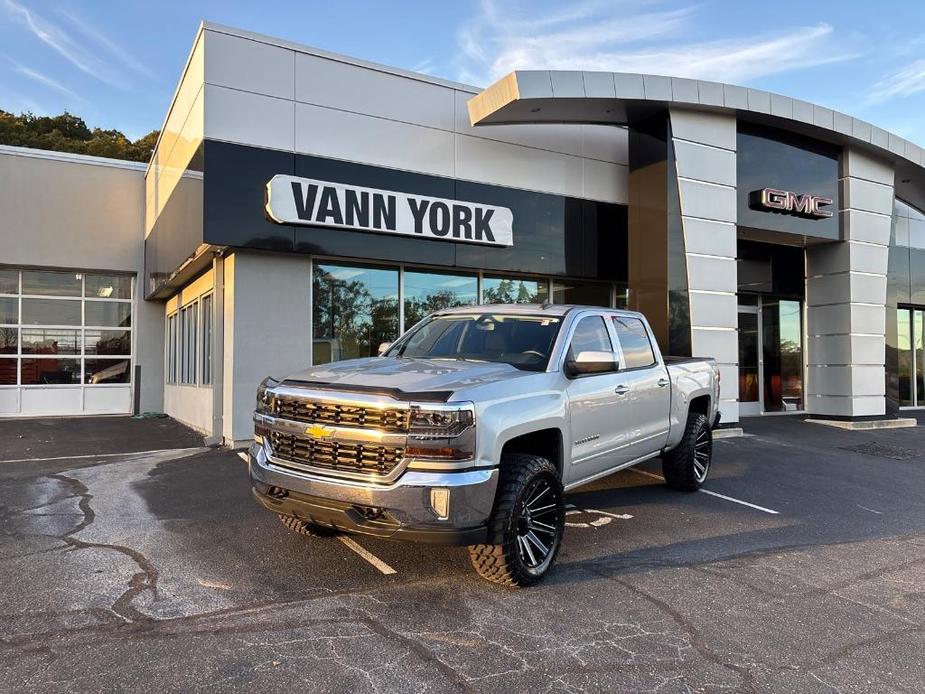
x=704 y=146
x=846 y=296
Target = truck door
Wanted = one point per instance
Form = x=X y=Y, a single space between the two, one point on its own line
x=598 y=411
x=648 y=394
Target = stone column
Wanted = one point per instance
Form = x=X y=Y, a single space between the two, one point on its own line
x=704 y=146
x=846 y=296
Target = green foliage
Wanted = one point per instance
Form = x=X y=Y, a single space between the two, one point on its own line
x=68 y=133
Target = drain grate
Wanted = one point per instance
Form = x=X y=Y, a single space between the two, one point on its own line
x=883 y=450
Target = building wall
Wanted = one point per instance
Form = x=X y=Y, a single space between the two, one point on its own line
x=705 y=167
x=267 y=308
x=290 y=98
x=68 y=211
x=847 y=296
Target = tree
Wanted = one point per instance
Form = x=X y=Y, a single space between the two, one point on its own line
x=69 y=133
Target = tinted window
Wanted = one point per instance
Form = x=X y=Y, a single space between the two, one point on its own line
x=637 y=350
x=590 y=336
x=426 y=292
x=498 y=290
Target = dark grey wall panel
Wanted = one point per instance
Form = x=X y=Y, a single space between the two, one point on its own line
x=553 y=234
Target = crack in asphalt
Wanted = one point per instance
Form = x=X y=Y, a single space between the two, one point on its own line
x=141 y=581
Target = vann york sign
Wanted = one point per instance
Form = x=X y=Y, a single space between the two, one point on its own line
x=293 y=200
x=783 y=201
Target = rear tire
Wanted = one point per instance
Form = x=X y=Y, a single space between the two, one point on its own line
x=302 y=527
x=526 y=526
x=686 y=466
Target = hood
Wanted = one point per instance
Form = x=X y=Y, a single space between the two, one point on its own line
x=406 y=377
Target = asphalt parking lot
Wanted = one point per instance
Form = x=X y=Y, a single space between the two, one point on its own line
x=134 y=559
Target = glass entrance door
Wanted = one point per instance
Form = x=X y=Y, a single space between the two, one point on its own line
x=911 y=347
x=749 y=362
x=770 y=356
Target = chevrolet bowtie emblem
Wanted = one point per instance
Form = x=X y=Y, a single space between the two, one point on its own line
x=319 y=431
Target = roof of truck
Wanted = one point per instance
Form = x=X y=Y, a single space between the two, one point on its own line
x=522 y=309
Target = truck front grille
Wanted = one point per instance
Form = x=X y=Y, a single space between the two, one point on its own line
x=311 y=412
x=336 y=456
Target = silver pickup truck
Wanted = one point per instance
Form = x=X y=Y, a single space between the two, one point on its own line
x=471 y=426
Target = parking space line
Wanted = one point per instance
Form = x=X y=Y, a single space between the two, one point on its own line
x=243 y=456
x=105 y=455
x=716 y=494
x=367 y=555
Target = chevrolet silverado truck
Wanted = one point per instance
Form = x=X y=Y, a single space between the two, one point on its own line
x=470 y=427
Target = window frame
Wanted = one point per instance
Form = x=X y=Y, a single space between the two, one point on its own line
x=80 y=328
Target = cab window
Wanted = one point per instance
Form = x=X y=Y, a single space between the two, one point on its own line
x=634 y=341
x=590 y=336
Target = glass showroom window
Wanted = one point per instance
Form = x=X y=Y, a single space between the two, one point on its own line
x=585 y=293
x=64 y=328
x=188 y=343
x=513 y=290
x=425 y=292
x=911 y=347
x=354 y=310
x=205 y=349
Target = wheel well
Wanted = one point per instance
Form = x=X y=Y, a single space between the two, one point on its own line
x=700 y=405
x=546 y=443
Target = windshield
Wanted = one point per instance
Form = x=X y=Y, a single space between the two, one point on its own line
x=523 y=341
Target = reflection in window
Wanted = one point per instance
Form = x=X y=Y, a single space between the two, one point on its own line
x=206 y=348
x=9 y=281
x=50 y=341
x=426 y=292
x=108 y=313
x=634 y=342
x=107 y=342
x=50 y=312
x=582 y=293
x=45 y=283
x=497 y=290
x=9 y=340
x=590 y=336
x=8 y=369
x=98 y=371
x=108 y=286
x=354 y=310
x=50 y=371
x=9 y=309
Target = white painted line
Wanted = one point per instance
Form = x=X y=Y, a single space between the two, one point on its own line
x=739 y=501
x=367 y=555
x=243 y=456
x=717 y=495
x=106 y=455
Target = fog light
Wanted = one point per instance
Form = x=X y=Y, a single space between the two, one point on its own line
x=440 y=502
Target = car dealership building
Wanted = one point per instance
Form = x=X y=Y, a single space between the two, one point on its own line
x=303 y=207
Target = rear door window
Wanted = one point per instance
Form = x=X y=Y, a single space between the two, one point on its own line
x=634 y=340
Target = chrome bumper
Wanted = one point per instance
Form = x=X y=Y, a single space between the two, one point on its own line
x=400 y=510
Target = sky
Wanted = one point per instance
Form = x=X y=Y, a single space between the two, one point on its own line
x=117 y=63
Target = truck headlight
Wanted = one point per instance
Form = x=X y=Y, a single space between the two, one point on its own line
x=263 y=397
x=442 y=432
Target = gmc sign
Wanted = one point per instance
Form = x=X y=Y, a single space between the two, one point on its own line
x=786 y=202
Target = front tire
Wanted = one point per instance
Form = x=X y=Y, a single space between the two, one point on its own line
x=686 y=466
x=526 y=526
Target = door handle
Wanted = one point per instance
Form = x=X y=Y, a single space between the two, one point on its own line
x=662 y=382
x=621 y=390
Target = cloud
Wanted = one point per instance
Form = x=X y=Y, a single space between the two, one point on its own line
x=45 y=80
x=620 y=37
x=117 y=51
x=54 y=36
x=908 y=81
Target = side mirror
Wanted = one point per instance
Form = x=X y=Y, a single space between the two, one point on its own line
x=591 y=363
x=383 y=347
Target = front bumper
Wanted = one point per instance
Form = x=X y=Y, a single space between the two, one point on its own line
x=401 y=510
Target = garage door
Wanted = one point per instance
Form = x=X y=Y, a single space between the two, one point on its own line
x=65 y=342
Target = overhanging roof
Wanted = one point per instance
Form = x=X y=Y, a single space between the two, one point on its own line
x=619 y=98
